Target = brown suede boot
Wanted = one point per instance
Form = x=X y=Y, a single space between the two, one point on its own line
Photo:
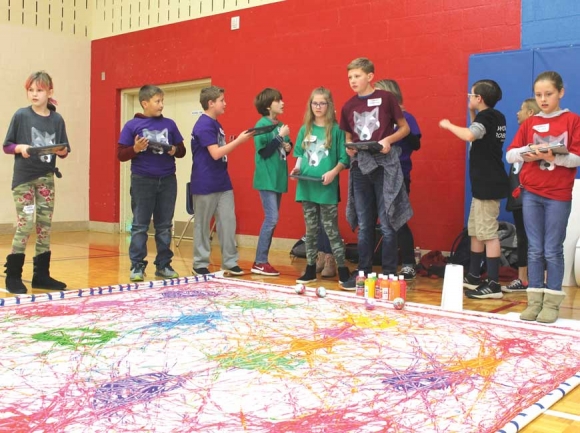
x=551 y=306
x=320 y=262
x=535 y=299
x=329 y=270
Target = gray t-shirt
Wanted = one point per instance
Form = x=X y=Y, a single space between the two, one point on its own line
x=27 y=127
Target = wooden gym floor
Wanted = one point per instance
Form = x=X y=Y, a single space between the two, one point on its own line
x=90 y=259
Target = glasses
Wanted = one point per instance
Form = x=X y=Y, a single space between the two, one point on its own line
x=319 y=104
x=471 y=95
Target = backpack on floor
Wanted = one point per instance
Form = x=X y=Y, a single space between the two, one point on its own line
x=509 y=244
x=460 y=253
x=299 y=248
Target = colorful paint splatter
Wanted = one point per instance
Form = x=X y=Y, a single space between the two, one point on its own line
x=235 y=356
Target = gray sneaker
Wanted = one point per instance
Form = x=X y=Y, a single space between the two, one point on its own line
x=138 y=271
x=166 y=272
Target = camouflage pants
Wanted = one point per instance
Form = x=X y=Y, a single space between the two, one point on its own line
x=36 y=196
x=328 y=215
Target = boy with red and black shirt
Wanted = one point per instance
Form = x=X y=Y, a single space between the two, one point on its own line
x=376 y=184
x=489 y=184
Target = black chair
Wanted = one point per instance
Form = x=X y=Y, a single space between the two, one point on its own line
x=190 y=211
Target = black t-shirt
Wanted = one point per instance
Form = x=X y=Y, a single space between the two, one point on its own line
x=27 y=127
x=489 y=180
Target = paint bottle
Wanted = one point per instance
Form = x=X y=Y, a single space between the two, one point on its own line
x=417 y=255
x=385 y=286
x=370 y=285
x=395 y=289
x=379 y=287
x=360 y=283
x=402 y=287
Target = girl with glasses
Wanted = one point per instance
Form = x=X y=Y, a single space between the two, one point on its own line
x=321 y=155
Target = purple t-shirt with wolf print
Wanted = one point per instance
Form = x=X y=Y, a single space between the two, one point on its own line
x=371 y=117
x=160 y=129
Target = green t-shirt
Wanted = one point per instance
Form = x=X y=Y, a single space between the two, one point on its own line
x=317 y=160
x=271 y=174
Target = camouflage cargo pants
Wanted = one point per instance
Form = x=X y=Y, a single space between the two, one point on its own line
x=30 y=198
x=327 y=214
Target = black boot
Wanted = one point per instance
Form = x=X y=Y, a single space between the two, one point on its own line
x=41 y=278
x=309 y=274
x=14 y=284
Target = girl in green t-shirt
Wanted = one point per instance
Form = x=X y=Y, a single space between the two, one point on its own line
x=321 y=155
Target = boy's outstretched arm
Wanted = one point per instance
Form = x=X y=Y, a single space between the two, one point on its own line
x=464 y=134
x=218 y=152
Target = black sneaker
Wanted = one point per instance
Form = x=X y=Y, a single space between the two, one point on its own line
x=236 y=271
x=471 y=282
x=408 y=273
x=343 y=274
x=514 y=286
x=488 y=290
x=350 y=284
x=201 y=271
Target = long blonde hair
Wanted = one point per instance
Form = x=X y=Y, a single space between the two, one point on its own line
x=330 y=118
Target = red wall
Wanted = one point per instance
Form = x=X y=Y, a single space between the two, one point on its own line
x=297 y=45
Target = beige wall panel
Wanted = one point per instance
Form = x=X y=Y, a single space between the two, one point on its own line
x=108 y=17
x=61 y=16
x=72 y=91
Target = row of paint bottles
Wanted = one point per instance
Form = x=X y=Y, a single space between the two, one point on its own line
x=391 y=287
x=384 y=287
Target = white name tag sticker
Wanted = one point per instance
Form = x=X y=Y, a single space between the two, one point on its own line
x=28 y=209
x=374 y=102
x=542 y=128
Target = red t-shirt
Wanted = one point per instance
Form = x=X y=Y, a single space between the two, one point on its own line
x=548 y=180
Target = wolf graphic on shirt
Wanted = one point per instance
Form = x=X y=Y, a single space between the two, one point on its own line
x=366 y=123
x=560 y=139
x=158 y=137
x=315 y=151
x=41 y=139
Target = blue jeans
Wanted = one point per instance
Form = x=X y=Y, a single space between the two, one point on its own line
x=323 y=241
x=369 y=204
x=271 y=205
x=545 y=221
x=152 y=197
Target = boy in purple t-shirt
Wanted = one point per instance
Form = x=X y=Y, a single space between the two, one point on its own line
x=211 y=188
x=151 y=142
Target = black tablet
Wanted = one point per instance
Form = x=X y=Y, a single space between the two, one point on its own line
x=158 y=147
x=556 y=148
x=304 y=177
x=46 y=150
x=263 y=129
x=371 y=146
